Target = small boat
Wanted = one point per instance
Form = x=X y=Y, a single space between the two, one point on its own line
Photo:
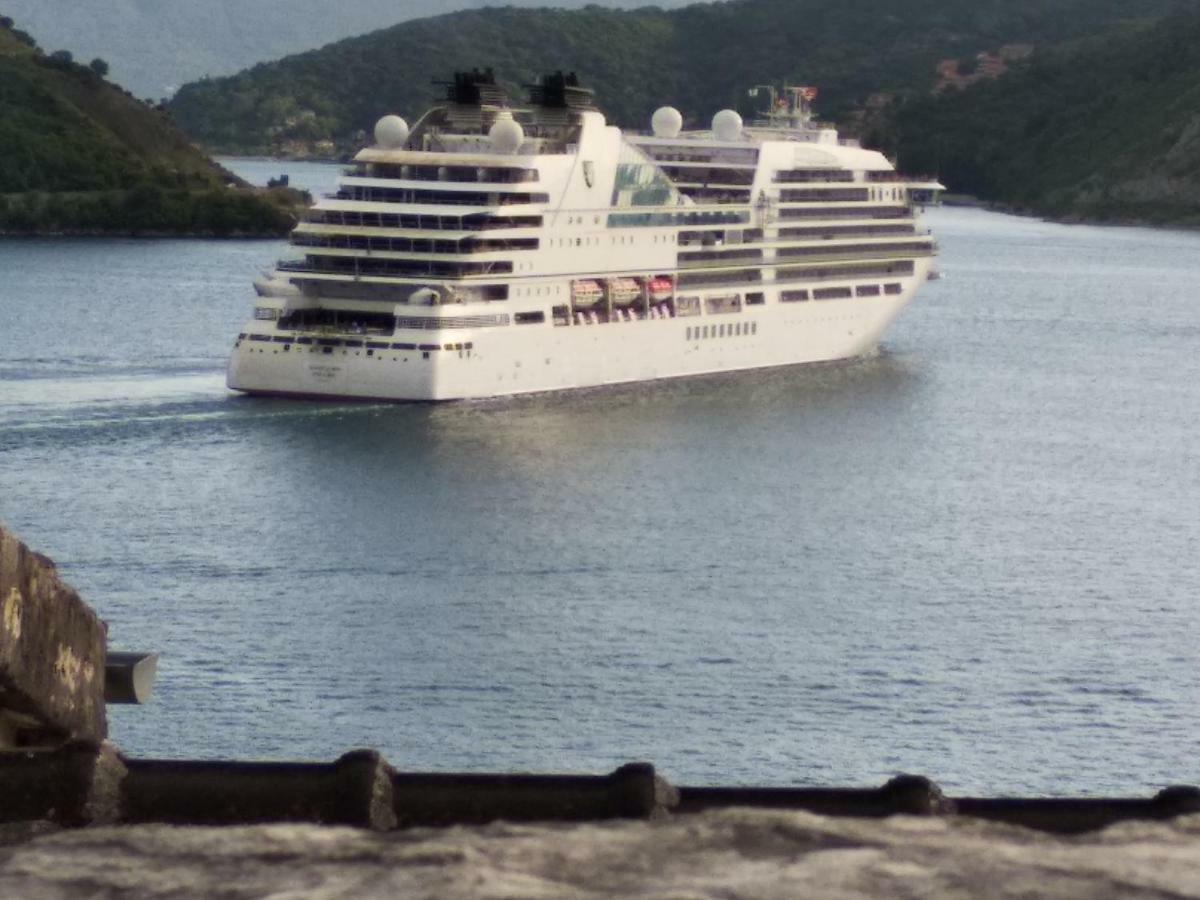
x=660 y=289
x=624 y=291
x=586 y=292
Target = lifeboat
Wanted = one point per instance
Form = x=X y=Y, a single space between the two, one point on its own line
x=660 y=289
x=586 y=292
x=624 y=291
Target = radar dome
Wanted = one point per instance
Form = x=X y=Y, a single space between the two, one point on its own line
x=391 y=132
x=666 y=122
x=506 y=134
x=727 y=125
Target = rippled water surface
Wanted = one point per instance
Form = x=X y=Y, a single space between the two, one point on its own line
x=973 y=555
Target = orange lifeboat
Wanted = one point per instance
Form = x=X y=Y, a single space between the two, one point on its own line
x=661 y=289
x=586 y=292
x=624 y=291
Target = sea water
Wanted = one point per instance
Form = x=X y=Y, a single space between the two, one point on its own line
x=972 y=555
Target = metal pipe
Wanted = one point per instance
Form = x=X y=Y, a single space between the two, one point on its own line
x=129 y=677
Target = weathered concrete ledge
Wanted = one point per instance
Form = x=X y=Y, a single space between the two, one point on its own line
x=735 y=854
x=52 y=650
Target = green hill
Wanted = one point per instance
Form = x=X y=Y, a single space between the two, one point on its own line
x=77 y=154
x=699 y=58
x=1106 y=130
x=155 y=46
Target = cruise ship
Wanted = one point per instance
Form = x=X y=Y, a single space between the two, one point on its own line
x=498 y=248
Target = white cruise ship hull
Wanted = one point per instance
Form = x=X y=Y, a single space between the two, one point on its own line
x=544 y=357
x=496 y=249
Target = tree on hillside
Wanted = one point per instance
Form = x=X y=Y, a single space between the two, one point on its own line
x=99 y=66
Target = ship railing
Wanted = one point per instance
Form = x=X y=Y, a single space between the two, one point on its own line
x=707 y=260
x=445 y=198
x=832 y=255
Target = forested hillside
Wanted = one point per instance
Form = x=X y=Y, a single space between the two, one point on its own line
x=699 y=58
x=77 y=154
x=154 y=46
x=1108 y=130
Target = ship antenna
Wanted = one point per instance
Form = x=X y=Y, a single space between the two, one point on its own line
x=790 y=108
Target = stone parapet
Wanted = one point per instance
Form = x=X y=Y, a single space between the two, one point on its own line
x=730 y=854
x=52 y=648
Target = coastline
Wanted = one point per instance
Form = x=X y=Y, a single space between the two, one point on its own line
x=149 y=210
x=970 y=201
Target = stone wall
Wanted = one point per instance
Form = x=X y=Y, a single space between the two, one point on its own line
x=734 y=854
x=52 y=650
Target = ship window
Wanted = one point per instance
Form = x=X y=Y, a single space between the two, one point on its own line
x=726 y=303
x=303 y=340
x=578 y=242
x=260 y=337
x=792 y=296
x=528 y=318
x=283 y=340
x=468 y=345
x=831 y=293
x=404 y=346
x=867 y=290
x=891 y=288
x=354 y=343
x=428 y=347
x=754 y=299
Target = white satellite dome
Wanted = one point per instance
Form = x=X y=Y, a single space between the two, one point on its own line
x=506 y=133
x=727 y=125
x=391 y=132
x=666 y=122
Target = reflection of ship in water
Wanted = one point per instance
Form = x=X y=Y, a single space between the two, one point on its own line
x=495 y=250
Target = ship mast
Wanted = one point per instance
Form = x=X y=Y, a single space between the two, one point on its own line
x=789 y=108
